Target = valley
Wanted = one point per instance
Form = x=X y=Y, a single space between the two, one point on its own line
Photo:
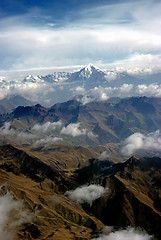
x=85 y=168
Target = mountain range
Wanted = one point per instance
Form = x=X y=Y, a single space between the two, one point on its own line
x=88 y=167
x=88 y=73
x=131 y=197
x=87 y=84
x=91 y=76
x=9 y=103
x=96 y=122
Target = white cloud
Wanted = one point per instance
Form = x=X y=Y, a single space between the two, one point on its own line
x=104 y=93
x=127 y=234
x=108 y=32
x=6 y=130
x=86 y=194
x=104 y=155
x=35 y=91
x=12 y=215
x=151 y=90
x=46 y=142
x=35 y=140
x=75 y=130
x=140 y=60
x=144 y=144
x=125 y=90
x=50 y=93
x=47 y=127
x=79 y=90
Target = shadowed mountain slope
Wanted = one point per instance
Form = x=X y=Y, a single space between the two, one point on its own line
x=134 y=194
x=133 y=197
x=108 y=122
x=41 y=188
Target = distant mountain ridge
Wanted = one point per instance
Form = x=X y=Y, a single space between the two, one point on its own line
x=95 y=75
x=109 y=122
x=86 y=85
x=9 y=103
x=88 y=73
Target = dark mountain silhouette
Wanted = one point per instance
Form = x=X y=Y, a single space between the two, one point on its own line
x=111 y=122
x=133 y=196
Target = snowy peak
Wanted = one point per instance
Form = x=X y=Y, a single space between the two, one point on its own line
x=31 y=78
x=90 y=67
x=90 y=70
x=89 y=73
x=50 y=78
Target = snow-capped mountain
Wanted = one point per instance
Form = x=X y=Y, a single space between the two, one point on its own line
x=49 y=78
x=89 y=72
x=87 y=84
x=90 y=76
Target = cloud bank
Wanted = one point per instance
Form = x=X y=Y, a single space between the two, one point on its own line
x=75 y=130
x=98 y=33
x=127 y=234
x=142 y=144
x=46 y=142
x=47 y=127
x=46 y=134
x=86 y=194
x=125 y=90
x=6 y=130
x=12 y=215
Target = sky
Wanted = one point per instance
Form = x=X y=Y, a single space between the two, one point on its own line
x=38 y=34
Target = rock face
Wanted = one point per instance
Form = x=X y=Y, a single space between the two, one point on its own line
x=133 y=197
x=107 y=121
x=41 y=188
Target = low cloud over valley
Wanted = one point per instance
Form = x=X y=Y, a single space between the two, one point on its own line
x=127 y=234
x=86 y=194
x=12 y=215
x=142 y=144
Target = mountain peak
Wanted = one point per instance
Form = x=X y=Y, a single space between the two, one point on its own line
x=90 y=67
x=90 y=70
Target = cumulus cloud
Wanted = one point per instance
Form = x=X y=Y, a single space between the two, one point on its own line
x=47 y=127
x=79 y=90
x=149 y=90
x=7 y=130
x=144 y=144
x=12 y=215
x=104 y=93
x=36 y=141
x=104 y=155
x=127 y=234
x=46 y=142
x=75 y=130
x=35 y=91
x=86 y=194
x=125 y=90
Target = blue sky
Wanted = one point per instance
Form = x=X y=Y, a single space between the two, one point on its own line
x=41 y=34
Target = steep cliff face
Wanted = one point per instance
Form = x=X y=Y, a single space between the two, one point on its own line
x=42 y=188
x=134 y=196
